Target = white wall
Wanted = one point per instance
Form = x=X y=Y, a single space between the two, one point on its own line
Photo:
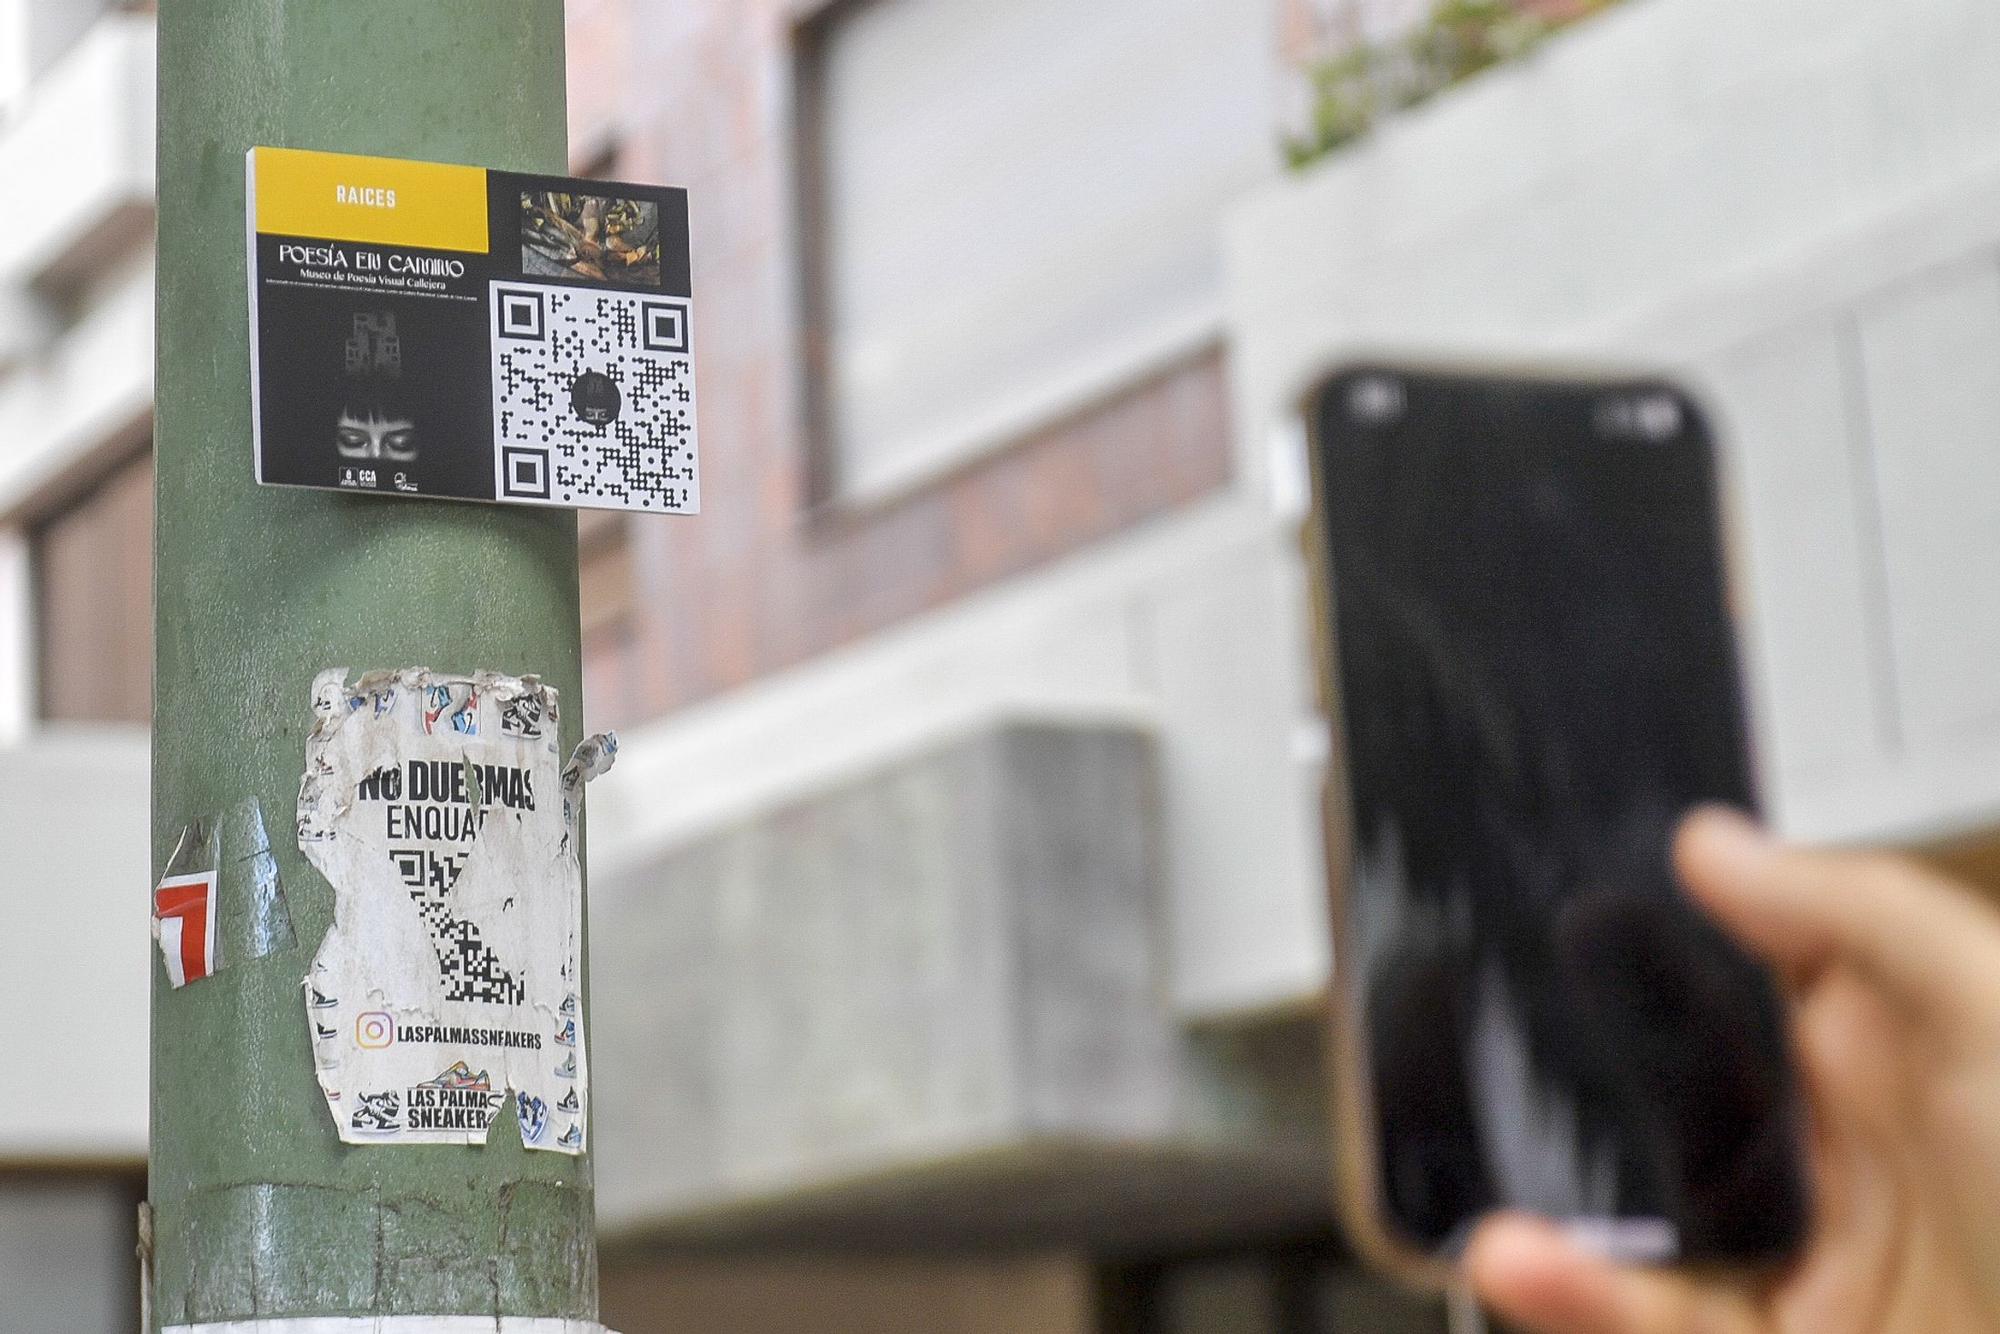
x=1017 y=209
x=76 y=957
x=1793 y=205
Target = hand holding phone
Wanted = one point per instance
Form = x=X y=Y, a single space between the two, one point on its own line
x=1536 y=678
x=1895 y=991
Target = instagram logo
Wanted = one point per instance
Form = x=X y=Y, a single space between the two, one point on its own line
x=375 y=1029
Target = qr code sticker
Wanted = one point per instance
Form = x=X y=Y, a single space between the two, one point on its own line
x=593 y=399
x=469 y=969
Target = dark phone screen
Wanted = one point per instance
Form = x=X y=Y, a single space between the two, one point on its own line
x=1537 y=678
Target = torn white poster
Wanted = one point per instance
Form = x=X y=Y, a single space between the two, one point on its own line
x=439 y=810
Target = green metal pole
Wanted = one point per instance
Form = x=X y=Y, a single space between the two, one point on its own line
x=257 y=1209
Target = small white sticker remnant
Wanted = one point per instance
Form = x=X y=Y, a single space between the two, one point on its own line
x=397 y=1324
x=447 y=988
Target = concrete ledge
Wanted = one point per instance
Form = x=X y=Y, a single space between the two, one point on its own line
x=1110 y=1200
x=929 y=1002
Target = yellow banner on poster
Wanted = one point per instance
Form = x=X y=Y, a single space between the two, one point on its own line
x=371 y=200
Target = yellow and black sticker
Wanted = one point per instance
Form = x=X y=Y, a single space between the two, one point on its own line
x=376 y=200
x=431 y=329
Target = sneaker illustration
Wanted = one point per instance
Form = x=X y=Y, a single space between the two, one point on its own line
x=378 y=1113
x=567 y=1070
x=569 y=1004
x=534 y=1117
x=569 y=1102
x=320 y=1001
x=326 y=1034
x=573 y=1137
x=567 y=1037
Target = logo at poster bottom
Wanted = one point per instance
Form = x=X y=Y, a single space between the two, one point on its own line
x=594 y=397
x=456 y=1099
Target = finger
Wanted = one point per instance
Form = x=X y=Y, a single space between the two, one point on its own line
x=1920 y=936
x=1529 y=1272
x=1855 y=1051
x=1849 y=1044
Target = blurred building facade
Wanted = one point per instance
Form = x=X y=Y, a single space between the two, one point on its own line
x=958 y=938
x=76 y=371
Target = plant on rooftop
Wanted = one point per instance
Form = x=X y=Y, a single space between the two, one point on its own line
x=1354 y=89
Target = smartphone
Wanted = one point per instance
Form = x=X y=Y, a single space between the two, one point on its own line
x=1533 y=677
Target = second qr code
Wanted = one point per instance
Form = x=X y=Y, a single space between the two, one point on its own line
x=593 y=398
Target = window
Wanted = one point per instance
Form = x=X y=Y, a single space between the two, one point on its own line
x=94 y=600
x=1013 y=208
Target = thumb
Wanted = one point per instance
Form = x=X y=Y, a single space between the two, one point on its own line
x=1921 y=937
x=1529 y=1272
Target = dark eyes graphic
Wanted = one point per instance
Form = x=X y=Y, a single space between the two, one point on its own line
x=396 y=441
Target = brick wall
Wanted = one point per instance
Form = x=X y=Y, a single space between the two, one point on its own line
x=697 y=93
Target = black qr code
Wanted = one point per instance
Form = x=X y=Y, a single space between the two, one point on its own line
x=469 y=970
x=593 y=399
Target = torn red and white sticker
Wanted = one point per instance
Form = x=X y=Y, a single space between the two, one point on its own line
x=184 y=924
